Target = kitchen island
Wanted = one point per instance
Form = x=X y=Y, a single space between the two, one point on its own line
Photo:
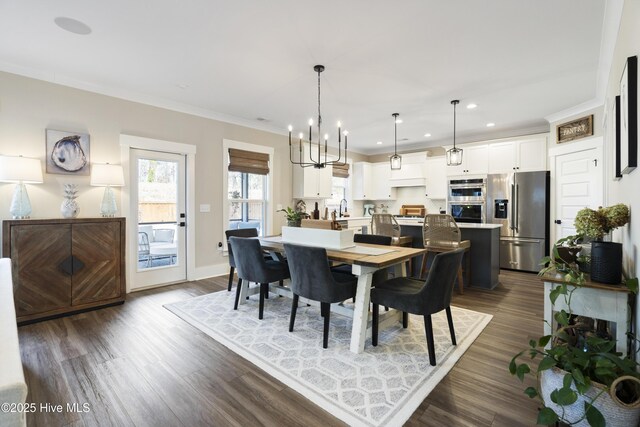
x=484 y=252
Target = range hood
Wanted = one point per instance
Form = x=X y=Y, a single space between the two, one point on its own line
x=411 y=175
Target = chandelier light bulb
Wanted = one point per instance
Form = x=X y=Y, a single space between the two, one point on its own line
x=300 y=135
x=310 y=122
x=290 y=128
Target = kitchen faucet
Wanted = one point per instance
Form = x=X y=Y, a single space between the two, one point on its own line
x=345 y=206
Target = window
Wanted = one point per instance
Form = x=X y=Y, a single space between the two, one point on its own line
x=338 y=192
x=246 y=196
x=248 y=186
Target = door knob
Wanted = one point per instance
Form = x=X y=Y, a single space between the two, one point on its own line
x=558 y=221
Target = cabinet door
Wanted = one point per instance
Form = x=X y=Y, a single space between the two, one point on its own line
x=502 y=157
x=381 y=186
x=532 y=155
x=476 y=159
x=324 y=178
x=97 y=246
x=38 y=254
x=361 y=181
x=435 y=171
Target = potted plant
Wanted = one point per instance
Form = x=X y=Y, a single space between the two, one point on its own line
x=581 y=379
x=294 y=218
x=606 y=257
x=566 y=250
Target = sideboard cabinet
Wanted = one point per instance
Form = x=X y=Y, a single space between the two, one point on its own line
x=63 y=266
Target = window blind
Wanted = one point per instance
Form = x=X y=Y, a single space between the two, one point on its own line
x=248 y=161
x=341 y=171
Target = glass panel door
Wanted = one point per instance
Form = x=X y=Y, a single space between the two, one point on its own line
x=158 y=198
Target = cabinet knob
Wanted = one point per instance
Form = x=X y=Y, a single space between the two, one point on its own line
x=558 y=221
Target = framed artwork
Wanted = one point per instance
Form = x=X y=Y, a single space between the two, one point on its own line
x=616 y=130
x=67 y=152
x=629 y=116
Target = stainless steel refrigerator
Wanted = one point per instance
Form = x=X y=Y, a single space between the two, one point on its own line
x=519 y=202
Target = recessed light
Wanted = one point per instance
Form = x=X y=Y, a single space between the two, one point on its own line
x=262 y=119
x=404 y=139
x=427 y=135
x=72 y=25
x=490 y=125
x=472 y=106
x=379 y=143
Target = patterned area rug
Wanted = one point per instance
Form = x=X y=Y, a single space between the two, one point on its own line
x=382 y=386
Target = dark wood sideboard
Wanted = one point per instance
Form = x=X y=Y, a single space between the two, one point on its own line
x=62 y=266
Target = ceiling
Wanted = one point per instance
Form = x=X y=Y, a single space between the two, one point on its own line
x=242 y=60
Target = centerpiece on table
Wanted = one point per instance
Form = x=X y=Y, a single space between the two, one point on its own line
x=294 y=217
x=606 y=256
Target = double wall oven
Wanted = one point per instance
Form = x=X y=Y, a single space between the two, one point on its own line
x=467 y=199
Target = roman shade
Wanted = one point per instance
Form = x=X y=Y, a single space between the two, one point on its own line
x=341 y=171
x=248 y=161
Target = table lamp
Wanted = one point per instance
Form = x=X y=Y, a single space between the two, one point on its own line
x=21 y=170
x=106 y=175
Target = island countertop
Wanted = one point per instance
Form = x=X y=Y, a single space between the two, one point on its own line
x=420 y=222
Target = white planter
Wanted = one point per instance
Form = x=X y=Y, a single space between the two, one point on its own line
x=330 y=239
x=615 y=413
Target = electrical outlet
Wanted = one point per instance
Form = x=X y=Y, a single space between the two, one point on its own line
x=205 y=208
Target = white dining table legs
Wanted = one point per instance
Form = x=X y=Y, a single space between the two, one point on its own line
x=361 y=307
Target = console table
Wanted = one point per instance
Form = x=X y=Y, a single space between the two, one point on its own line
x=596 y=300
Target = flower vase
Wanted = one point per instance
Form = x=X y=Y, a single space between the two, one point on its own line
x=69 y=207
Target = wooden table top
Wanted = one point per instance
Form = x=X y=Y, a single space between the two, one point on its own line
x=396 y=256
x=558 y=277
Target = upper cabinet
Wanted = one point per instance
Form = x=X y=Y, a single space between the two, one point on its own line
x=475 y=161
x=435 y=171
x=371 y=181
x=312 y=183
x=518 y=156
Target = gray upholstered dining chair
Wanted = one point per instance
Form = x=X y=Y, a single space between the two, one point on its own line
x=416 y=297
x=312 y=278
x=243 y=232
x=253 y=267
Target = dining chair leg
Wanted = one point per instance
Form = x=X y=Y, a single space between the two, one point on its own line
x=294 y=309
x=235 y=305
x=231 y=269
x=326 y=307
x=423 y=265
x=374 y=325
x=263 y=291
x=451 y=330
x=428 y=327
x=405 y=319
x=281 y=283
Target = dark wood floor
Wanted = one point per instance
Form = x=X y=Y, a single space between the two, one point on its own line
x=138 y=364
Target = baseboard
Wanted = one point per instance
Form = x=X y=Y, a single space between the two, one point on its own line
x=210 y=271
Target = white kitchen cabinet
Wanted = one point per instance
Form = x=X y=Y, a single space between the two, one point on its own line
x=361 y=181
x=312 y=183
x=435 y=171
x=381 y=184
x=519 y=155
x=475 y=161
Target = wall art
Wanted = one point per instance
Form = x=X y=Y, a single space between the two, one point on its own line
x=67 y=152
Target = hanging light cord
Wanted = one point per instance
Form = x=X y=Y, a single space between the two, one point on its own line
x=454 y=124
x=319 y=116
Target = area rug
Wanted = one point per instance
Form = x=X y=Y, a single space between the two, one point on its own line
x=383 y=386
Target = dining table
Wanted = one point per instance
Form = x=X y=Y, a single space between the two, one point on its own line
x=365 y=259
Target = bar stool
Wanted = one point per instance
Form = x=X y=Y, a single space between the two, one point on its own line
x=386 y=225
x=441 y=234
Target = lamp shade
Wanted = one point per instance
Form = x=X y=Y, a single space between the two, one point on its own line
x=107 y=175
x=20 y=169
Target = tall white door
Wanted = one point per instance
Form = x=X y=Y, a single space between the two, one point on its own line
x=578 y=184
x=158 y=188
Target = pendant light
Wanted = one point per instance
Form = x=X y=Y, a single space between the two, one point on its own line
x=396 y=160
x=454 y=155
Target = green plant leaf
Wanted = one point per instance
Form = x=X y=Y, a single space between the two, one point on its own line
x=513 y=365
x=554 y=396
x=532 y=343
x=531 y=392
x=577 y=376
x=562 y=317
x=522 y=370
x=567 y=380
x=546 y=417
x=554 y=294
x=566 y=396
x=594 y=417
x=542 y=342
x=546 y=363
x=632 y=284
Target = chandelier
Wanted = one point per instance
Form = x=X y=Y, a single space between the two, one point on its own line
x=454 y=155
x=319 y=162
x=395 y=160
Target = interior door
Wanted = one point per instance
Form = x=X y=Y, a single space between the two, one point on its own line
x=158 y=193
x=578 y=184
